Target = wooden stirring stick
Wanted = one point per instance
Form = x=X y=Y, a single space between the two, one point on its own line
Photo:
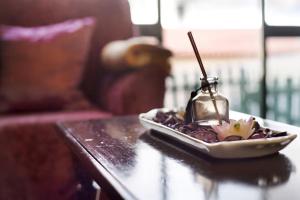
x=204 y=75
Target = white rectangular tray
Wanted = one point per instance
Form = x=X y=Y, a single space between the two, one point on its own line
x=225 y=149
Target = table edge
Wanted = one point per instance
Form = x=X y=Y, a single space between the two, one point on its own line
x=111 y=185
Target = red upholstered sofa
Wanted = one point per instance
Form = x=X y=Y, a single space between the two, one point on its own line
x=35 y=164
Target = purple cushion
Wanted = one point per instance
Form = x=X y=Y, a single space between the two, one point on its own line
x=40 y=65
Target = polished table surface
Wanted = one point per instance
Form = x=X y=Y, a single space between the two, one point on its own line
x=131 y=162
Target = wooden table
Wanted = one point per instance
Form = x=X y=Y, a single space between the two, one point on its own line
x=130 y=162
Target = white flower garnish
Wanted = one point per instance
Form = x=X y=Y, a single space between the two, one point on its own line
x=240 y=128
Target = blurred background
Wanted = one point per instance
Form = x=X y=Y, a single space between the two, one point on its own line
x=53 y=69
x=253 y=46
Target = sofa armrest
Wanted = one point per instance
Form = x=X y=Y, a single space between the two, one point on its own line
x=133 y=76
x=133 y=92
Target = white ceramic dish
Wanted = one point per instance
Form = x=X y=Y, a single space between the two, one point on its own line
x=232 y=149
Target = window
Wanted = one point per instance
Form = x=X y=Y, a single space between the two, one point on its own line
x=211 y=14
x=144 y=11
x=282 y=12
